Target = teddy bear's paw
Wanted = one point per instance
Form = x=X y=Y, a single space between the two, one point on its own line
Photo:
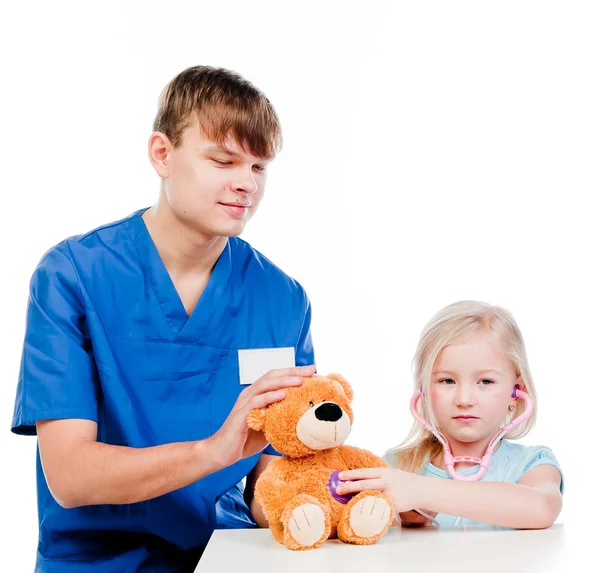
x=370 y=516
x=307 y=524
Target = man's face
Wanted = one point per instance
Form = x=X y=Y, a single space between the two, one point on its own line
x=214 y=189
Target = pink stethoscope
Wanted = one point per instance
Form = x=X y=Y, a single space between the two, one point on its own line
x=485 y=461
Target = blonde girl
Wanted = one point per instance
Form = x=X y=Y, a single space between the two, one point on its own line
x=472 y=377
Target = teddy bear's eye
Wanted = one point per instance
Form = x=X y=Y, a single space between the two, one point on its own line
x=311 y=404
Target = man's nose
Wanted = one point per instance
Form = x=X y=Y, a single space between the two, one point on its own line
x=246 y=182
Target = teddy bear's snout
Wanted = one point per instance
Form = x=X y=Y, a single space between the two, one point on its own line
x=328 y=412
x=323 y=426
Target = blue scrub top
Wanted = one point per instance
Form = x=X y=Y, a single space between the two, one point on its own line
x=109 y=340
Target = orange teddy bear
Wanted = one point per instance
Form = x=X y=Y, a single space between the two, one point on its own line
x=297 y=492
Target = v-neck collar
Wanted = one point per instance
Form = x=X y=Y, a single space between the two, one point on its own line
x=183 y=328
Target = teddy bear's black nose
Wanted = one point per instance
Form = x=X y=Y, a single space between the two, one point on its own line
x=328 y=412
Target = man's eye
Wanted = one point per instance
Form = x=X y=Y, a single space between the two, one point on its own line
x=221 y=162
x=260 y=168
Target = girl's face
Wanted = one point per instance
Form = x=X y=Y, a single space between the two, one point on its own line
x=471 y=386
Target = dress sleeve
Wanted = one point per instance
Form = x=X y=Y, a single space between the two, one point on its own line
x=538 y=456
x=58 y=377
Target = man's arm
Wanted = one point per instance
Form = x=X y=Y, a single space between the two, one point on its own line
x=82 y=471
x=255 y=509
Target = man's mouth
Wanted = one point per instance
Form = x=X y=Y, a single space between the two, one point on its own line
x=237 y=210
x=240 y=205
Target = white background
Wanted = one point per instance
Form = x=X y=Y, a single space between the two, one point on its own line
x=434 y=151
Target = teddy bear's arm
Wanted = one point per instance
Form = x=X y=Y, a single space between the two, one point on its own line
x=356 y=458
x=273 y=490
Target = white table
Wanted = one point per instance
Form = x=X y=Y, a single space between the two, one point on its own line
x=447 y=550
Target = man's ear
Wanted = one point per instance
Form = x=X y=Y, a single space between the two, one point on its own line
x=256 y=419
x=159 y=147
x=344 y=384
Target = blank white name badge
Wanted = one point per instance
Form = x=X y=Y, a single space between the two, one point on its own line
x=256 y=362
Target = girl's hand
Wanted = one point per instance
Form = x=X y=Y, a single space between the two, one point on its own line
x=401 y=486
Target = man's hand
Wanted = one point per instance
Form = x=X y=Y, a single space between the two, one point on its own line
x=414 y=519
x=235 y=440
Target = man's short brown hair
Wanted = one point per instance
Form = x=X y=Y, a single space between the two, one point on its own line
x=225 y=104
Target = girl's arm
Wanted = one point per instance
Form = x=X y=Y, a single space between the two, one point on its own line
x=533 y=503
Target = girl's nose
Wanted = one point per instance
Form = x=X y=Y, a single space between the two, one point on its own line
x=464 y=396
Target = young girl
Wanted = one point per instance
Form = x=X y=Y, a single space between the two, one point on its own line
x=470 y=372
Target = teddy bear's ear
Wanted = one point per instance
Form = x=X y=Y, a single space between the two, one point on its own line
x=344 y=384
x=256 y=419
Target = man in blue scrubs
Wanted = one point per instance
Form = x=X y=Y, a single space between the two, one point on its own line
x=150 y=339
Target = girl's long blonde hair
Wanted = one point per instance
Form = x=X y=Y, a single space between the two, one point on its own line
x=450 y=325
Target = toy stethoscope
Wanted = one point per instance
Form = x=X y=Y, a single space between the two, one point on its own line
x=485 y=461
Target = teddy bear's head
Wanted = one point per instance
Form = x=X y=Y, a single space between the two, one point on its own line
x=314 y=416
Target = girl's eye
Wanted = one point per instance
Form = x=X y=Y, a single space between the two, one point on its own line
x=487 y=381
x=447 y=381
x=311 y=404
